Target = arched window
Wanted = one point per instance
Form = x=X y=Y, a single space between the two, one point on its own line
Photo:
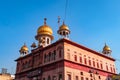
x=101 y=66
x=23 y=66
x=54 y=52
x=60 y=77
x=114 y=70
x=76 y=78
x=85 y=60
x=97 y=65
x=90 y=62
x=82 y=78
x=49 y=58
x=18 y=65
x=75 y=57
x=94 y=63
x=60 y=53
x=63 y=32
x=111 y=69
x=68 y=77
x=80 y=59
x=48 y=41
x=45 y=58
x=49 y=78
x=106 y=67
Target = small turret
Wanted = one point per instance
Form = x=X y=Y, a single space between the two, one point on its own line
x=64 y=31
x=44 y=35
x=33 y=45
x=24 y=50
x=106 y=50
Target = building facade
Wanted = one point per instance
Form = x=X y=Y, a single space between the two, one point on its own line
x=63 y=59
x=6 y=76
x=116 y=77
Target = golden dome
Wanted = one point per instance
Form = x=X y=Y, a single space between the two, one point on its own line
x=64 y=27
x=45 y=29
x=106 y=48
x=24 y=48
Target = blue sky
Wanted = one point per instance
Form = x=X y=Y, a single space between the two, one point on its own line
x=92 y=23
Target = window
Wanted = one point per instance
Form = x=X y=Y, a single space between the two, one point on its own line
x=82 y=78
x=114 y=70
x=49 y=58
x=101 y=66
x=18 y=66
x=81 y=73
x=97 y=65
x=90 y=75
x=106 y=67
x=60 y=77
x=68 y=49
x=45 y=58
x=63 y=32
x=54 y=53
x=23 y=66
x=60 y=53
x=85 y=60
x=52 y=56
x=94 y=63
x=86 y=78
x=76 y=78
x=80 y=59
x=90 y=62
x=49 y=78
x=43 y=78
x=111 y=69
x=99 y=77
x=75 y=57
x=69 y=77
x=47 y=40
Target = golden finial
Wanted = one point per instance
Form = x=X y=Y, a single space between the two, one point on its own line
x=24 y=44
x=63 y=23
x=58 y=19
x=45 y=19
x=24 y=48
x=106 y=48
x=33 y=45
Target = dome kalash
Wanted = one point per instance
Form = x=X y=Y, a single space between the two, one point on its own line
x=45 y=30
x=63 y=27
x=106 y=48
x=63 y=30
x=24 y=48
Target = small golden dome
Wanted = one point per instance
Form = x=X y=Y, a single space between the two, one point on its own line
x=106 y=48
x=64 y=27
x=44 y=30
x=24 y=48
x=33 y=45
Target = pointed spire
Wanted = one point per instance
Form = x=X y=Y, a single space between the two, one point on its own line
x=106 y=50
x=24 y=44
x=45 y=19
x=58 y=19
x=33 y=45
x=63 y=23
x=105 y=44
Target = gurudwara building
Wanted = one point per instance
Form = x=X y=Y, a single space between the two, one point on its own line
x=63 y=59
